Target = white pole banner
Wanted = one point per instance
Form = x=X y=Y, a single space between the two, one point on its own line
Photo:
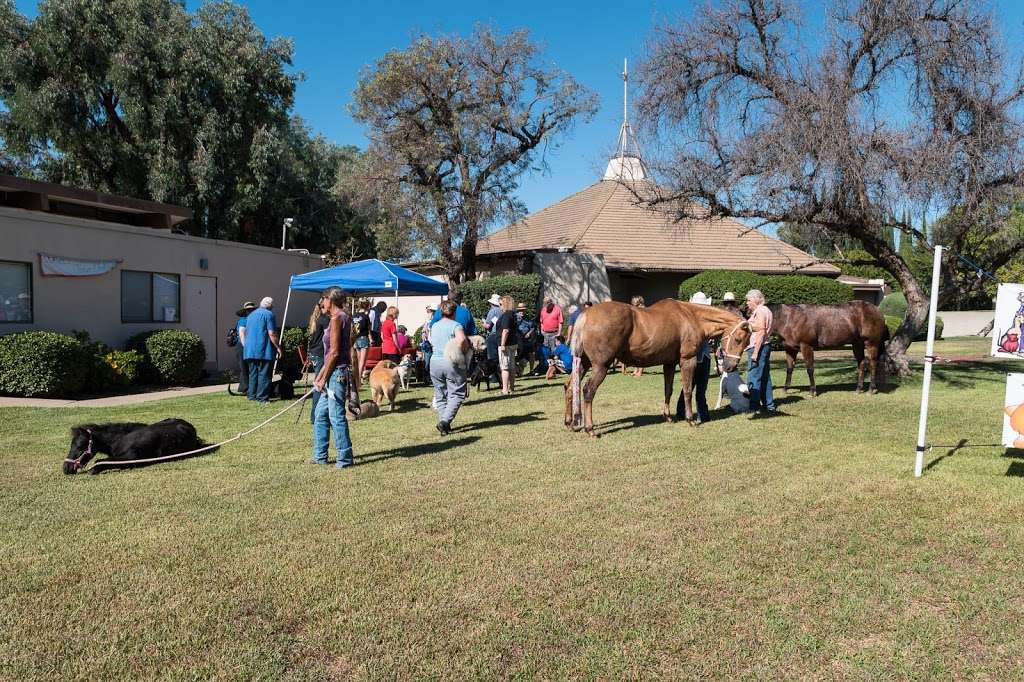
x=58 y=266
x=1013 y=412
x=1006 y=341
x=929 y=360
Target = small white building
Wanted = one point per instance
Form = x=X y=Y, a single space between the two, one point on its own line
x=73 y=259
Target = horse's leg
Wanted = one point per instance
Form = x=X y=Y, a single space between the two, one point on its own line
x=858 y=353
x=687 y=367
x=669 y=377
x=872 y=353
x=570 y=418
x=807 y=351
x=589 y=390
x=790 y=363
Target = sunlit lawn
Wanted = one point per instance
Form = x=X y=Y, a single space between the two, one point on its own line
x=795 y=546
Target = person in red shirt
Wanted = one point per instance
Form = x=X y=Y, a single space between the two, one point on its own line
x=550 y=323
x=389 y=346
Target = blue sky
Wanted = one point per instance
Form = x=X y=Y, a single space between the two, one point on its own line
x=335 y=40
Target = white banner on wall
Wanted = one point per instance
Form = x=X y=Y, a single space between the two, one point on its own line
x=59 y=266
x=1006 y=335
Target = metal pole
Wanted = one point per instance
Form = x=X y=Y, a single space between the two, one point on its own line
x=284 y=321
x=929 y=360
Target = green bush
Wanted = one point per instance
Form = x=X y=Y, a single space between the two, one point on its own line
x=776 y=288
x=894 y=304
x=893 y=321
x=290 y=365
x=174 y=357
x=125 y=366
x=38 y=364
x=98 y=373
x=523 y=288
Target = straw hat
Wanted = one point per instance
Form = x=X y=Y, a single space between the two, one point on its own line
x=246 y=308
x=522 y=307
x=700 y=298
x=494 y=299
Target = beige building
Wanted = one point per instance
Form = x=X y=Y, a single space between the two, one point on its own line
x=73 y=259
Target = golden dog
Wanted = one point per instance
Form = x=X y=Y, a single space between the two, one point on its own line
x=384 y=382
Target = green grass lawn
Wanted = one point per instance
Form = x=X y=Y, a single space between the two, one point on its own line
x=798 y=546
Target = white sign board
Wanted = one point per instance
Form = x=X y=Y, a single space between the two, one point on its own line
x=1006 y=335
x=1013 y=412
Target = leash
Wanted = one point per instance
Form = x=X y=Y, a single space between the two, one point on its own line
x=166 y=458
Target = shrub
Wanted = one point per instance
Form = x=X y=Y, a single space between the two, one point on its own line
x=522 y=288
x=98 y=374
x=776 y=288
x=290 y=366
x=39 y=364
x=893 y=321
x=125 y=366
x=170 y=356
x=894 y=304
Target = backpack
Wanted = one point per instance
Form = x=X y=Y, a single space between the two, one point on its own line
x=232 y=338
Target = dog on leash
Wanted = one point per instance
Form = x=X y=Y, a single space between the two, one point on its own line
x=405 y=369
x=384 y=383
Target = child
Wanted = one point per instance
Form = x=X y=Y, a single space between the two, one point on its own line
x=561 y=358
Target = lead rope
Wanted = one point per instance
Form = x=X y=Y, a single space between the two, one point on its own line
x=207 y=448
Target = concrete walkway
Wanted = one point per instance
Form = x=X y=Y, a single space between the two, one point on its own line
x=114 y=401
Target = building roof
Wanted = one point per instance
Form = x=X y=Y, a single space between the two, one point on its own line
x=83 y=203
x=606 y=218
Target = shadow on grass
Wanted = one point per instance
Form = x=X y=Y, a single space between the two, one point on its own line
x=496 y=395
x=416 y=450
x=1016 y=469
x=508 y=420
x=611 y=427
x=949 y=453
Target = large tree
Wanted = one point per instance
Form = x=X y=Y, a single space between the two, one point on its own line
x=140 y=97
x=897 y=106
x=454 y=122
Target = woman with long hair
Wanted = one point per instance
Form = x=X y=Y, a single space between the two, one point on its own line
x=389 y=348
x=361 y=344
x=318 y=323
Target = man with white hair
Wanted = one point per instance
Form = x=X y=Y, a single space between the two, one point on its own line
x=759 y=376
x=262 y=347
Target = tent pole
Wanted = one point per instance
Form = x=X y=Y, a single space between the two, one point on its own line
x=284 y=320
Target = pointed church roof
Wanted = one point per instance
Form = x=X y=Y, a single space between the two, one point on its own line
x=607 y=218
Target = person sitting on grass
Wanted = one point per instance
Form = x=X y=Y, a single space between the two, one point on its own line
x=560 y=361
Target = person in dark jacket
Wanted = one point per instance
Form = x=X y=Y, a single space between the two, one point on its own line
x=318 y=323
x=243 y=366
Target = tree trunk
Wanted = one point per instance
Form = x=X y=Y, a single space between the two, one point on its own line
x=917 y=305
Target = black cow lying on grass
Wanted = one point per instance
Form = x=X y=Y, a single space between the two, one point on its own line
x=129 y=441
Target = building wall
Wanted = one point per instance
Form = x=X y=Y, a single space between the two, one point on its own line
x=572 y=278
x=965 y=322
x=242 y=272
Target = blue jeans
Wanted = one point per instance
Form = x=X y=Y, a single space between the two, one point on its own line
x=700 y=391
x=260 y=376
x=759 y=379
x=330 y=414
x=450 y=388
x=318 y=363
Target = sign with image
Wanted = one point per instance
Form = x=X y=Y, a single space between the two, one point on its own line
x=1013 y=412
x=1009 y=319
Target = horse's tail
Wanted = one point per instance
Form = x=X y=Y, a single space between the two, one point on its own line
x=577 y=365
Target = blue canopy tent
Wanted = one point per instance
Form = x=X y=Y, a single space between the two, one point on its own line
x=368 y=277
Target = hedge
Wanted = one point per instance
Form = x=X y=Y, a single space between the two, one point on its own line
x=290 y=366
x=895 y=305
x=39 y=364
x=893 y=322
x=171 y=356
x=776 y=288
x=522 y=288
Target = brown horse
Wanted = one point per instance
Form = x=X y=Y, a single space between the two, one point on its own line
x=806 y=328
x=668 y=333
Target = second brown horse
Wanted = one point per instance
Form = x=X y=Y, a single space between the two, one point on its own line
x=806 y=328
x=668 y=333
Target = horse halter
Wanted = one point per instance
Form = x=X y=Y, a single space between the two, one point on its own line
x=729 y=337
x=88 y=451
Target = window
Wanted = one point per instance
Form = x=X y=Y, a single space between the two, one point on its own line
x=150 y=297
x=15 y=292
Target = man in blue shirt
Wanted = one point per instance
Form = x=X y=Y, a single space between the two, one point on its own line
x=462 y=314
x=261 y=349
x=560 y=359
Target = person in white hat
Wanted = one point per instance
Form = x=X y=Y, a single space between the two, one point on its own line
x=700 y=374
x=729 y=303
x=494 y=312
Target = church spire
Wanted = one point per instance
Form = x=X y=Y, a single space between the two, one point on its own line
x=627 y=163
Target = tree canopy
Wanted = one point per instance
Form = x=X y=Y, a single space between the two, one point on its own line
x=454 y=122
x=140 y=97
x=901 y=106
